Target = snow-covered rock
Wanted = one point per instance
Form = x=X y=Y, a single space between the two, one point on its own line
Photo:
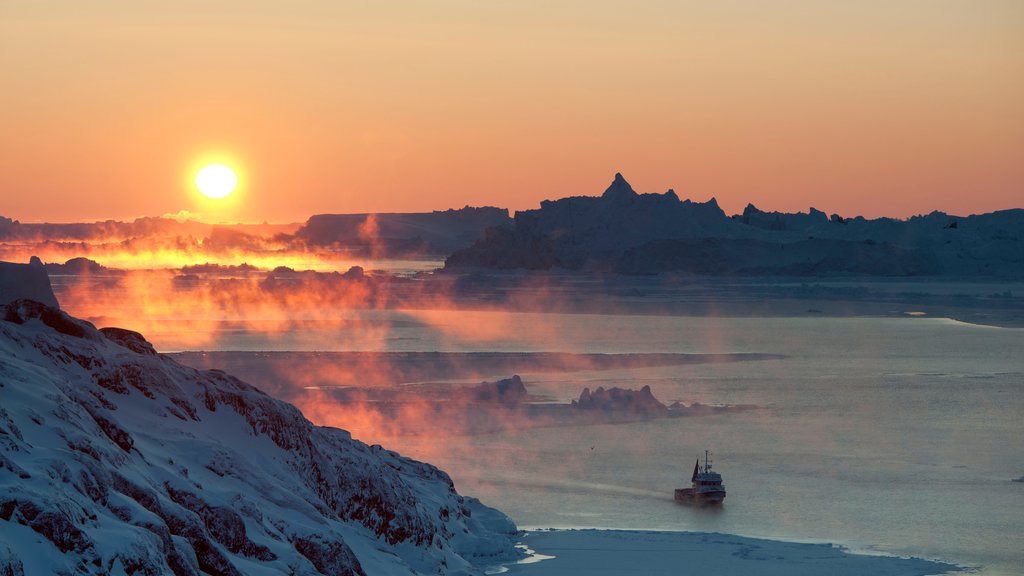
x=114 y=459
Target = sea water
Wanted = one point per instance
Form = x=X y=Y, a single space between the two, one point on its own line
x=889 y=435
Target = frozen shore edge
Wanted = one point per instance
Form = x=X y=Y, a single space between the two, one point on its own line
x=601 y=552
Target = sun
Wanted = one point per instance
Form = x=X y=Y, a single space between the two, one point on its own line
x=216 y=181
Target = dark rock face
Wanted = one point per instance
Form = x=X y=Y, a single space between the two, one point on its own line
x=223 y=524
x=50 y=522
x=129 y=339
x=199 y=472
x=329 y=557
x=22 y=310
x=10 y=565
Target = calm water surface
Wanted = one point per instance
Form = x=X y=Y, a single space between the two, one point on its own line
x=893 y=435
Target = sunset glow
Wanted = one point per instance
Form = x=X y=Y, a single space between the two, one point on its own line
x=453 y=288
x=850 y=107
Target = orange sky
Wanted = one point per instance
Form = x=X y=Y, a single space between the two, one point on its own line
x=861 y=107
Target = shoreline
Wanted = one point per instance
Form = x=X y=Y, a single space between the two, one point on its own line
x=608 y=551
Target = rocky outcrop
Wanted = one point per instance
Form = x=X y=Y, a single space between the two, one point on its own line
x=130 y=339
x=114 y=458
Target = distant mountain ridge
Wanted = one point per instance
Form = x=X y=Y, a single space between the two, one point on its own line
x=396 y=234
x=625 y=232
x=620 y=231
x=409 y=235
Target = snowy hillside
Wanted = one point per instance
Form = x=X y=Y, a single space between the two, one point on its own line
x=114 y=460
x=632 y=233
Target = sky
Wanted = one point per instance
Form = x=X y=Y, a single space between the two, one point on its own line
x=895 y=108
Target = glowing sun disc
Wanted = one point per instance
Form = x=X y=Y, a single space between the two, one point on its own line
x=216 y=181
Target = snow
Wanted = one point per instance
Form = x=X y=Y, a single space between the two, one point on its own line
x=114 y=459
x=616 y=552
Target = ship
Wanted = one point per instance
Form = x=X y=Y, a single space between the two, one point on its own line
x=707 y=485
